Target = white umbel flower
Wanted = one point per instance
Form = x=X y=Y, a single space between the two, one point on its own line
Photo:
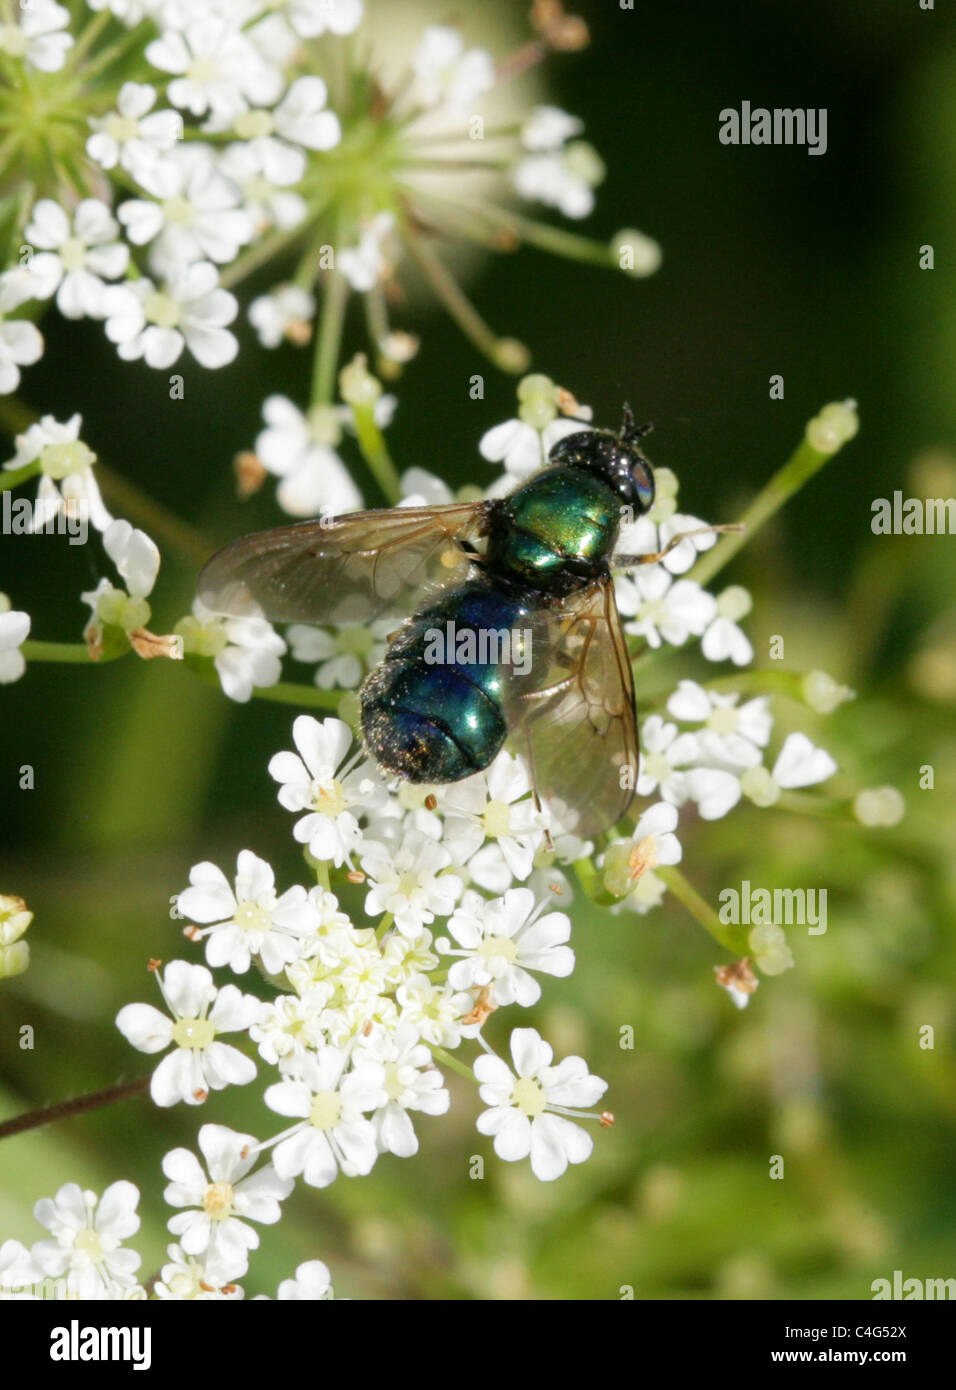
x=221 y=1201
x=67 y=480
x=88 y=1233
x=328 y=786
x=411 y=1083
x=528 y=1111
x=76 y=258
x=246 y=652
x=191 y=311
x=312 y=1283
x=409 y=881
x=38 y=38
x=134 y=135
x=14 y=631
x=499 y=942
x=332 y=1104
x=200 y=1063
x=300 y=449
x=449 y=75
x=251 y=920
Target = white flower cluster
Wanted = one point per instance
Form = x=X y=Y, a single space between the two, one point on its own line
x=357 y=1017
x=219 y=137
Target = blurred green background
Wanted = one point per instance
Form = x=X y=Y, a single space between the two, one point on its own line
x=774 y=262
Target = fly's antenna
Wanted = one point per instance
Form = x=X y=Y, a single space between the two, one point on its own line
x=631 y=432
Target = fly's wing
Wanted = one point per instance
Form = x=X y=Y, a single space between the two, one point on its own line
x=348 y=570
x=573 y=716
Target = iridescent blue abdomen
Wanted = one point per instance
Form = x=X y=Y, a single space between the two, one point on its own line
x=432 y=711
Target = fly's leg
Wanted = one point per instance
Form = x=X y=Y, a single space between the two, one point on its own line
x=629 y=561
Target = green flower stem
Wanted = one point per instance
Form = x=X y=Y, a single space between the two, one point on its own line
x=371 y=441
x=587 y=876
x=71 y=653
x=459 y=306
x=803 y=463
x=499 y=132
x=330 y=337
x=384 y=926
x=728 y=937
x=107 y=56
x=89 y=36
x=320 y=868
x=568 y=245
x=257 y=254
x=16 y=476
x=761 y=682
x=447 y=1060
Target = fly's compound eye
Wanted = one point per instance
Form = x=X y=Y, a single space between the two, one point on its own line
x=643 y=480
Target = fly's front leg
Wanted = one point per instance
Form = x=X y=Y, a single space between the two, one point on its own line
x=629 y=561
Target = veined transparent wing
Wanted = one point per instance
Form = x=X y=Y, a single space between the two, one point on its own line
x=346 y=570
x=573 y=717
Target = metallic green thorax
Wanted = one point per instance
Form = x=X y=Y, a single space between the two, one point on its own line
x=556 y=532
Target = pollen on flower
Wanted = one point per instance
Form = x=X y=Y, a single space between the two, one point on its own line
x=218 y=1200
x=606 y=1119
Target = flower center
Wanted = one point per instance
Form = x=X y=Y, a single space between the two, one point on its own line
x=394 y=1085
x=252 y=918
x=203 y=70
x=205 y=639
x=528 y=1097
x=253 y=125
x=178 y=210
x=60 y=460
x=328 y=798
x=217 y=1200
x=653 y=610
x=723 y=721
x=196 y=1033
x=497 y=819
x=73 y=253
x=162 y=310
x=407 y=884
x=657 y=766
x=88 y=1243
x=121 y=128
x=325 y=1110
x=257 y=189
x=501 y=946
